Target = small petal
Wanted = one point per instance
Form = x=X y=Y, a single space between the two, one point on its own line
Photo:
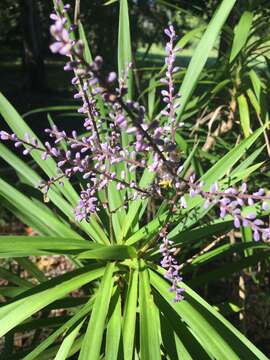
x=183 y=203
x=237 y=223
x=251 y=216
x=4 y=135
x=256 y=235
x=265 y=206
x=55 y=47
x=206 y=204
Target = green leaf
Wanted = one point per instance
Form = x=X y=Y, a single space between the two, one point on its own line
x=38 y=323
x=124 y=44
x=129 y=317
x=149 y=337
x=247 y=238
x=244 y=114
x=11 y=291
x=190 y=35
x=21 y=246
x=86 y=50
x=226 y=163
x=248 y=161
x=116 y=201
x=55 y=335
x=227 y=308
x=50 y=109
x=17 y=124
x=137 y=207
x=215 y=173
x=114 y=252
x=67 y=343
x=226 y=249
x=178 y=335
x=109 y=2
x=217 y=227
x=220 y=86
x=247 y=172
x=19 y=165
x=230 y=268
x=148 y=230
x=113 y=333
x=195 y=211
x=16 y=312
x=151 y=97
x=241 y=33
x=31 y=268
x=189 y=159
x=210 y=328
x=91 y=344
x=51 y=352
x=124 y=60
x=27 y=219
x=15 y=279
x=202 y=52
x=24 y=204
x=19 y=127
x=256 y=83
x=254 y=102
x=33 y=179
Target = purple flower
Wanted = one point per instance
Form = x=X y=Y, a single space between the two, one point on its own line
x=256 y=235
x=237 y=222
x=169 y=96
x=265 y=206
x=63 y=43
x=169 y=263
x=214 y=188
x=251 y=216
x=206 y=204
x=4 y=135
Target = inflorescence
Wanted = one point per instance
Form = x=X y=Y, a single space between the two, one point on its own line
x=148 y=145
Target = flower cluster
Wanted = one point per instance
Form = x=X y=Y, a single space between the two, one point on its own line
x=147 y=145
x=232 y=201
x=125 y=117
x=169 y=95
x=63 y=43
x=171 y=265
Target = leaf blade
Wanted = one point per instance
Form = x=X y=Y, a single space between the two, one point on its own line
x=16 y=312
x=91 y=344
x=149 y=337
x=241 y=33
x=202 y=52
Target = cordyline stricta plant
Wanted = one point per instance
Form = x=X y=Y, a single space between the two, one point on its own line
x=126 y=167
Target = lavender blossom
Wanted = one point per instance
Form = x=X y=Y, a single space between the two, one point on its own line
x=63 y=43
x=232 y=201
x=87 y=204
x=170 y=264
x=169 y=95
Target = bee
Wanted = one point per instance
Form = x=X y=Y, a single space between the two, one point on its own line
x=165 y=183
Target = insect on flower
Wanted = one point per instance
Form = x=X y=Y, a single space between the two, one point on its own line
x=165 y=183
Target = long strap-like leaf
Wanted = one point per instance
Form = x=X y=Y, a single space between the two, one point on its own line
x=202 y=53
x=93 y=338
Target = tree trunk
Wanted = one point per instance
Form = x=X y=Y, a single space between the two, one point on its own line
x=32 y=54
